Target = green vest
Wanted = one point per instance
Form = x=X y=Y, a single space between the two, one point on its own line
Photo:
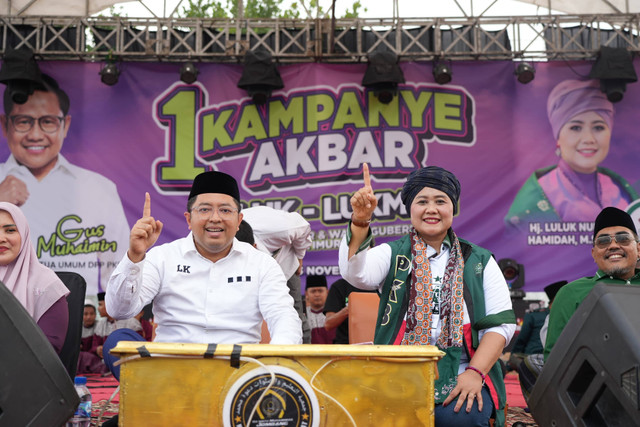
x=394 y=301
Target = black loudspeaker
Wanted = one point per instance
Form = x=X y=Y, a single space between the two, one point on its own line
x=35 y=388
x=70 y=351
x=591 y=376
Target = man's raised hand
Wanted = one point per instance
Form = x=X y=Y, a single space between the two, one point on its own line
x=144 y=233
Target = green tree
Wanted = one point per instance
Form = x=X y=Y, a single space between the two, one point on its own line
x=204 y=9
x=261 y=8
x=265 y=9
x=229 y=9
x=355 y=10
x=322 y=9
x=116 y=11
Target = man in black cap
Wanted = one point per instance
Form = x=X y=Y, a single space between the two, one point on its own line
x=316 y=295
x=207 y=287
x=615 y=252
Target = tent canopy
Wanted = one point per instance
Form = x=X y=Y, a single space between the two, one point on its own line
x=589 y=6
x=473 y=7
x=54 y=7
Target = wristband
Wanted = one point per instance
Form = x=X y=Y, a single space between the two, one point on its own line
x=477 y=371
x=360 y=223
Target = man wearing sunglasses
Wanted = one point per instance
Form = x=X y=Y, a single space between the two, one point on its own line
x=615 y=252
x=76 y=216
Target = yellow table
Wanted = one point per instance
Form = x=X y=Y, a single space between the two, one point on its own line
x=276 y=385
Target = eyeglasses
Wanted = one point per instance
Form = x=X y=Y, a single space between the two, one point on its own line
x=207 y=211
x=48 y=124
x=604 y=240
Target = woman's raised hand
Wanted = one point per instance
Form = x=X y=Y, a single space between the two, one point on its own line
x=363 y=201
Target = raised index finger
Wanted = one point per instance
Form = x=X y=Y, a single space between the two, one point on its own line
x=146 y=211
x=365 y=175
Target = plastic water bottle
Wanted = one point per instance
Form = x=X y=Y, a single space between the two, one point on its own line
x=82 y=417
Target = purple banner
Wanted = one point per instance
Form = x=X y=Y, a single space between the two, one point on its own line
x=303 y=151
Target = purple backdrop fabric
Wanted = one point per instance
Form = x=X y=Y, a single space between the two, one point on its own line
x=304 y=150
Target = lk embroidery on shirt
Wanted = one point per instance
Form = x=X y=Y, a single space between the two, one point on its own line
x=184 y=269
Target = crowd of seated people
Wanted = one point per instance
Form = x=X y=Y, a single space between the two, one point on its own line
x=95 y=333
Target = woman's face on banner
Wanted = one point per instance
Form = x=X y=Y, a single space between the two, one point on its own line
x=584 y=141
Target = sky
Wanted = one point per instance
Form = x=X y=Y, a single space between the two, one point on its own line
x=375 y=8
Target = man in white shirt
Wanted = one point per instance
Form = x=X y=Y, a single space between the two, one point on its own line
x=207 y=287
x=75 y=215
x=285 y=236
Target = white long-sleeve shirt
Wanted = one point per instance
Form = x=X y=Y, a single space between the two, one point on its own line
x=199 y=301
x=285 y=234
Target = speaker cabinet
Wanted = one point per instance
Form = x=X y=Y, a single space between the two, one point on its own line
x=35 y=388
x=591 y=376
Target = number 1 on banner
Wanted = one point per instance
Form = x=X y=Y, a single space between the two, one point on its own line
x=177 y=111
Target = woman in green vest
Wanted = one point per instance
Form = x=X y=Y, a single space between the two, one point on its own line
x=436 y=289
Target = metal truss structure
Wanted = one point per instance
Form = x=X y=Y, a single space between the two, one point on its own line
x=531 y=38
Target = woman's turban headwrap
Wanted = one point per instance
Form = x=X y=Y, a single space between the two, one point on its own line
x=432 y=177
x=572 y=97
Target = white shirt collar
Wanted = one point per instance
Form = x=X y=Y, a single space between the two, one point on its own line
x=431 y=252
x=62 y=164
x=188 y=245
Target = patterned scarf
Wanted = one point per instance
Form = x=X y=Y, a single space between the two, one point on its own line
x=419 y=314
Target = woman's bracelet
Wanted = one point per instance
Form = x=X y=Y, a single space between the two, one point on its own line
x=360 y=223
x=477 y=371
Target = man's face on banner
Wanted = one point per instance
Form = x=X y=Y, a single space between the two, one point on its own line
x=35 y=132
x=584 y=141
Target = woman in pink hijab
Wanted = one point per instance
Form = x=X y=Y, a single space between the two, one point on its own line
x=577 y=188
x=37 y=287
